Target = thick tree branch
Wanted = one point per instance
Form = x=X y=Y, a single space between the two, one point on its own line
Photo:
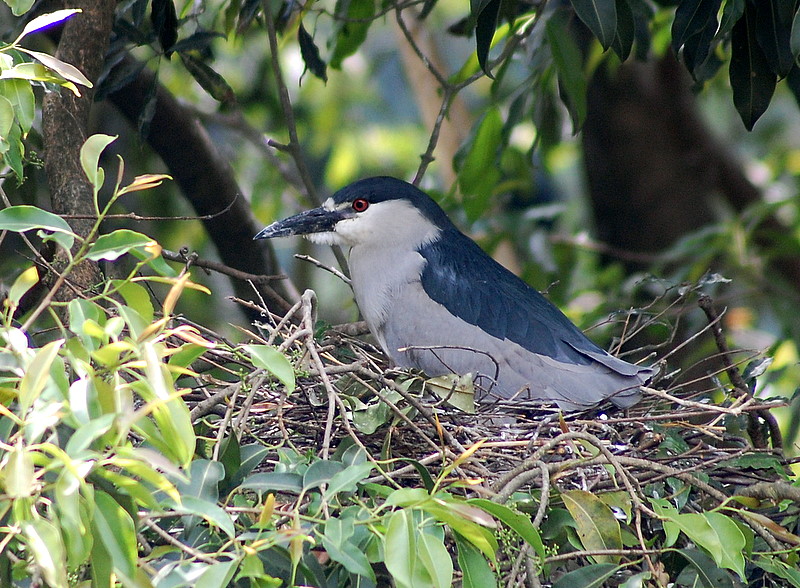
x=65 y=117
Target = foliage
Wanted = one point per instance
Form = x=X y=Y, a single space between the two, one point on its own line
x=19 y=69
x=109 y=475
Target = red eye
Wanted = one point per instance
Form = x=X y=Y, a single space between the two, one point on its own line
x=360 y=204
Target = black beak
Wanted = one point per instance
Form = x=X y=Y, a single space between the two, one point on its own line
x=316 y=220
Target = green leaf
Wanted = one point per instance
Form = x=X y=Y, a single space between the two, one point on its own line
x=274 y=482
x=37 y=374
x=591 y=576
x=7 y=116
x=596 y=525
x=165 y=23
x=65 y=70
x=73 y=518
x=13 y=151
x=347 y=479
x=90 y=158
x=752 y=80
x=19 y=7
x=403 y=549
x=275 y=362
x=773 y=565
x=20 y=94
x=211 y=81
x=138 y=299
x=321 y=472
x=485 y=26
x=601 y=18
x=85 y=435
x=47 y=548
x=568 y=60
x=794 y=39
x=43 y=21
x=478 y=173
x=209 y=511
x=714 y=532
x=705 y=570
x=475 y=569
x=117 y=243
x=336 y=541
x=356 y=18
x=219 y=574
x=693 y=29
x=18 y=473
x=310 y=54
x=24 y=282
x=113 y=526
x=19 y=219
x=626 y=30
x=170 y=413
x=434 y=557
x=520 y=523
x=204 y=477
x=773 y=31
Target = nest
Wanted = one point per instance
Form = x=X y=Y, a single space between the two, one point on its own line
x=347 y=393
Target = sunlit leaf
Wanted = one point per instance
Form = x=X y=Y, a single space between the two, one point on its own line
x=47 y=548
x=65 y=70
x=24 y=282
x=42 y=22
x=90 y=157
x=117 y=243
x=18 y=472
x=37 y=374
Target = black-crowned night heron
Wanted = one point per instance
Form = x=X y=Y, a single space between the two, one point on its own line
x=435 y=301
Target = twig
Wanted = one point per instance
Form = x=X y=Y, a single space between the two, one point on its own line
x=183 y=256
x=321 y=265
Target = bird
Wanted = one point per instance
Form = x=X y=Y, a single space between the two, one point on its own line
x=435 y=301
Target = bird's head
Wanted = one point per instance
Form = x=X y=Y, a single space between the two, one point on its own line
x=374 y=211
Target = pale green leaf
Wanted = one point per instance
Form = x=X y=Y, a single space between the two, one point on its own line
x=37 y=374
x=434 y=557
x=65 y=70
x=7 y=116
x=20 y=94
x=275 y=362
x=117 y=243
x=90 y=157
x=47 y=548
x=19 y=7
x=18 y=472
x=24 y=282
